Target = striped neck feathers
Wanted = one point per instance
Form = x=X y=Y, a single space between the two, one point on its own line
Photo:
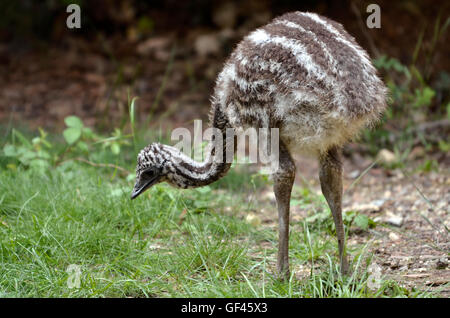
x=176 y=168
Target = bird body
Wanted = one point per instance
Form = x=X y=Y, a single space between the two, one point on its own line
x=303 y=74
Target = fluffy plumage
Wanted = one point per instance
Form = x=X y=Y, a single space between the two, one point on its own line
x=303 y=74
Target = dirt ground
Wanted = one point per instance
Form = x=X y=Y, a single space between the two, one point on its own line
x=411 y=241
x=414 y=251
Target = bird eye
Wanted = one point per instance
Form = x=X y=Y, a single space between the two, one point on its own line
x=148 y=174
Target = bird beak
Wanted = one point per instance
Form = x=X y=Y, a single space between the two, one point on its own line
x=140 y=187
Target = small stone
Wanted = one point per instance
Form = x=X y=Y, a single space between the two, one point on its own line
x=207 y=44
x=152 y=45
x=268 y=195
x=442 y=263
x=253 y=219
x=386 y=156
x=378 y=219
x=393 y=219
x=354 y=174
x=416 y=152
x=378 y=203
x=393 y=236
x=154 y=246
x=367 y=207
x=225 y=16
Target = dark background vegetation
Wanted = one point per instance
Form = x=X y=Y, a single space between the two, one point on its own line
x=169 y=52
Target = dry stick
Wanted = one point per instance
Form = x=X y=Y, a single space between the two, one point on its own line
x=427 y=127
x=8 y=128
x=428 y=242
x=116 y=63
x=373 y=48
x=421 y=194
x=103 y=165
x=425 y=199
x=443 y=123
x=412 y=236
x=163 y=84
x=362 y=175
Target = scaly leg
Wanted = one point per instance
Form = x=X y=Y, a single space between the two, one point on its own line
x=283 y=181
x=331 y=182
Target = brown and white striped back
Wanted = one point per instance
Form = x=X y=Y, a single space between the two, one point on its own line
x=304 y=74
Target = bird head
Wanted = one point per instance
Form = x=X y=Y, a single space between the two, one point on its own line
x=150 y=169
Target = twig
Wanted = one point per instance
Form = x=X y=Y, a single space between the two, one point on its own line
x=361 y=175
x=429 y=203
x=8 y=128
x=443 y=123
x=103 y=165
x=427 y=127
x=372 y=46
x=162 y=88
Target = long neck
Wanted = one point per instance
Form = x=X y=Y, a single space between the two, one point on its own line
x=188 y=173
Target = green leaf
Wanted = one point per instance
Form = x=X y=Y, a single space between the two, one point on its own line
x=25 y=155
x=36 y=140
x=424 y=97
x=295 y=202
x=43 y=154
x=115 y=148
x=71 y=135
x=204 y=189
x=361 y=221
x=74 y=122
x=348 y=216
x=88 y=133
x=39 y=165
x=443 y=146
x=320 y=217
x=83 y=146
x=21 y=137
x=417 y=74
x=145 y=24
x=201 y=205
x=132 y=111
x=9 y=150
x=117 y=192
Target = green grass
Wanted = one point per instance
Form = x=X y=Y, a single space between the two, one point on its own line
x=166 y=243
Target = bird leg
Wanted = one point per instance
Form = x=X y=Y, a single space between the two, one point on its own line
x=283 y=181
x=330 y=176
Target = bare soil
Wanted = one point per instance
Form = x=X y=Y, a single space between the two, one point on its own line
x=411 y=240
